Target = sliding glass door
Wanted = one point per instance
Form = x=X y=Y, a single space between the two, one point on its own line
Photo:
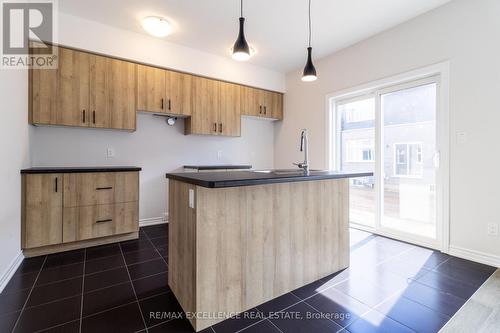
x=392 y=132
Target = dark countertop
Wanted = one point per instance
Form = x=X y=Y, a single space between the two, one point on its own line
x=216 y=167
x=247 y=178
x=80 y=169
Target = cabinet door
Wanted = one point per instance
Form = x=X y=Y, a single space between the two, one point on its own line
x=73 y=88
x=121 y=102
x=230 y=106
x=150 y=89
x=251 y=102
x=42 y=210
x=178 y=94
x=99 y=92
x=275 y=106
x=42 y=95
x=205 y=117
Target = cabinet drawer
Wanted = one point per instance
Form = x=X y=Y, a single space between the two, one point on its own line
x=100 y=188
x=89 y=222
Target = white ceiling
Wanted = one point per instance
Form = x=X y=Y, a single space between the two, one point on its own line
x=276 y=28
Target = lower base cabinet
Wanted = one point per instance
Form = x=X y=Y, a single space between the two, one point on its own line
x=81 y=223
x=59 y=213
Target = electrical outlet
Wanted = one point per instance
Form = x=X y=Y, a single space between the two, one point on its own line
x=110 y=152
x=492 y=229
x=461 y=137
x=219 y=154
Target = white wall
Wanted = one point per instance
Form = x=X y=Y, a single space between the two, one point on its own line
x=96 y=37
x=467 y=33
x=14 y=139
x=156 y=147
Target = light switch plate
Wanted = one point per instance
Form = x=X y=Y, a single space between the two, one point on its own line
x=461 y=137
x=492 y=229
x=191 y=198
x=110 y=152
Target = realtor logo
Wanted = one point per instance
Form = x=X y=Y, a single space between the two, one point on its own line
x=28 y=31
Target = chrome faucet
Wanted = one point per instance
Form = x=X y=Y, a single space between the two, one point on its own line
x=304 y=145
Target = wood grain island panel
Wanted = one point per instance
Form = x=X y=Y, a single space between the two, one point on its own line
x=239 y=247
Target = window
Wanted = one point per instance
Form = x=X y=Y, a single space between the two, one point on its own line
x=360 y=150
x=357 y=111
x=408 y=160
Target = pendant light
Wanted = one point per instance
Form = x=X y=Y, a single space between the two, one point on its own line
x=241 y=50
x=309 y=70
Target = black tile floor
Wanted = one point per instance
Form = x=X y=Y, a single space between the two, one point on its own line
x=390 y=286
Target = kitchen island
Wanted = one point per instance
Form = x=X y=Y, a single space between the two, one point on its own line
x=239 y=239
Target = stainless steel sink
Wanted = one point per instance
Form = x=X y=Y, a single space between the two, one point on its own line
x=280 y=172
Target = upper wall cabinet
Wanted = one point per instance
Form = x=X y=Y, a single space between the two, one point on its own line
x=85 y=90
x=164 y=91
x=261 y=103
x=216 y=108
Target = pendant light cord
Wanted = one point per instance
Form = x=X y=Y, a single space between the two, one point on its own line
x=309 y=23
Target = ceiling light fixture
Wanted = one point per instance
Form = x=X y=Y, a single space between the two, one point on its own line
x=156 y=26
x=241 y=50
x=309 y=70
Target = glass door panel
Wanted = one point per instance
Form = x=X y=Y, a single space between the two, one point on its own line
x=408 y=152
x=356 y=146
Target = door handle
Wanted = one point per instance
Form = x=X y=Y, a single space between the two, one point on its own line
x=83 y=120
x=215 y=127
x=265 y=109
x=169 y=104
x=104 y=188
x=260 y=109
x=162 y=103
x=93 y=117
x=220 y=127
x=57 y=185
x=104 y=221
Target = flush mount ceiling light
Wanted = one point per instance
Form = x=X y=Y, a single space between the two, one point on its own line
x=309 y=70
x=241 y=49
x=156 y=26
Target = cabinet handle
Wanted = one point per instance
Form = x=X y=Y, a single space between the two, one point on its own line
x=93 y=117
x=215 y=127
x=162 y=103
x=57 y=185
x=260 y=109
x=104 y=188
x=104 y=221
x=265 y=109
x=220 y=127
x=83 y=116
x=169 y=104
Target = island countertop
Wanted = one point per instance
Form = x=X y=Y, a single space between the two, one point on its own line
x=259 y=177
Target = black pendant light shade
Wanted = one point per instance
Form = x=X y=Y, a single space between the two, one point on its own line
x=241 y=50
x=309 y=73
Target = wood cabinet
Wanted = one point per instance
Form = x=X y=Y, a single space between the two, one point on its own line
x=261 y=103
x=60 y=211
x=42 y=210
x=89 y=90
x=164 y=91
x=85 y=90
x=216 y=108
x=230 y=109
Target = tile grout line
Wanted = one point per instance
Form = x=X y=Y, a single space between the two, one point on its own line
x=274 y=325
x=156 y=249
x=29 y=295
x=133 y=289
x=83 y=290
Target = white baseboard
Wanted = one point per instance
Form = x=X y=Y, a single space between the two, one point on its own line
x=152 y=221
x=7 y=275
x=481 y=257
